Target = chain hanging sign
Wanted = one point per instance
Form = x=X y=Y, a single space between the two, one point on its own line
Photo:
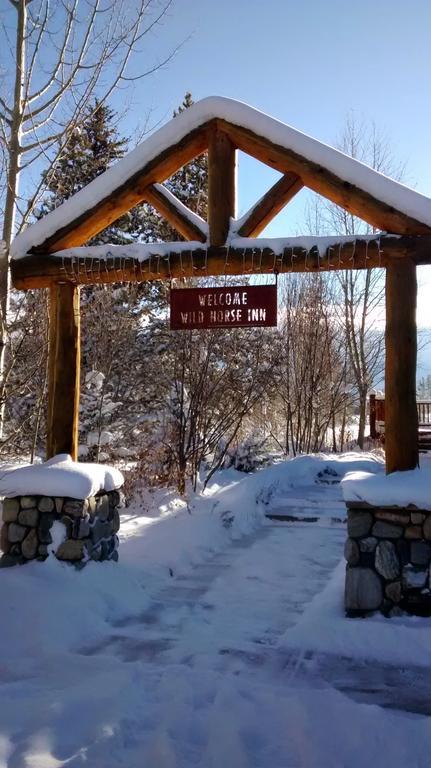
x=230 y=307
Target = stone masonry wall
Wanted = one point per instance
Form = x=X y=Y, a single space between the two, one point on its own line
x=91 y=528
x=388 y=555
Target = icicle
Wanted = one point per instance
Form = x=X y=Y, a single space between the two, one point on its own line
x=141 y=272
x=352 y=258
x=149 y=263
x=227 y=262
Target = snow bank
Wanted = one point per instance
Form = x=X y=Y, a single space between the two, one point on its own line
x=346 y=168
x=63 y=608
x=153 y=549
x=183 y=535
x=157 y=543
x=324 y=628
x=398 y=489
x=313 y=468
x=69 y=696
x=59 y=476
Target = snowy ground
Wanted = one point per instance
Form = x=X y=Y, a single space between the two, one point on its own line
x=218 y=641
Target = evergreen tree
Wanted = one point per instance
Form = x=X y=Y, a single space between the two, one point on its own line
x=90 y=150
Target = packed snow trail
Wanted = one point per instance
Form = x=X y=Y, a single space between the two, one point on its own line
x=238 y=603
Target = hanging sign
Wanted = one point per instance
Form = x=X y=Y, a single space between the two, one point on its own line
x=231 y=307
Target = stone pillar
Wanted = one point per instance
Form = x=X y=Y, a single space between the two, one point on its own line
x=388 y=555
x=88 y=529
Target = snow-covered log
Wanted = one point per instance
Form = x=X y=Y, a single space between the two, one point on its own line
x=244 y=256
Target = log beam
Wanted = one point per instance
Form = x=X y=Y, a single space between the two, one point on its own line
x=221 y=185
x=178 y=215
x=401 y=418
x=63 y=371
x=324 y=182
x=42 y=271
x=269 y=205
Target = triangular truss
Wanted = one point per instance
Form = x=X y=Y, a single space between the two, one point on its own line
x=220 y=126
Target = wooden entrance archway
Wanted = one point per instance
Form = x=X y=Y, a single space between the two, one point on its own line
x=50 y=254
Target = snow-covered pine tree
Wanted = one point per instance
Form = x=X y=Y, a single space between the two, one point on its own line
x=91 y=148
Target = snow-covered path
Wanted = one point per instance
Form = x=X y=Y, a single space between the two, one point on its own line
x=228 y=664
x=237 y=604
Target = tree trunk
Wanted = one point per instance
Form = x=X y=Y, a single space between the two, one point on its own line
x=362 y=417
x=334 y=437
x=11 y=194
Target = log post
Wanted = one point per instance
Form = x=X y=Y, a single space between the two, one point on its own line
x=221 y=186
x=64 y=370
x=401 y=418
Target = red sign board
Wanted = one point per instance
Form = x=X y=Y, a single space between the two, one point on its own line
x=231 y=307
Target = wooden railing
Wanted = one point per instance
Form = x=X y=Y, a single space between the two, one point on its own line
x=377 y=415
x=424 y=412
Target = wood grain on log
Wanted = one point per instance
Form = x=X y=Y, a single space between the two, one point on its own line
x=401 y=417
x=63 y=371
x=270 y=204
x=81 y=229
x=221 y=186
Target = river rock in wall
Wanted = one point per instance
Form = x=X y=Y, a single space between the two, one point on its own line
x=364 y=591
x=387 y=563
x=351 y=552
x=358 y=523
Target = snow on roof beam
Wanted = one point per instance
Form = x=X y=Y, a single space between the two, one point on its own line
x=186 y=222
x=244 y=256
